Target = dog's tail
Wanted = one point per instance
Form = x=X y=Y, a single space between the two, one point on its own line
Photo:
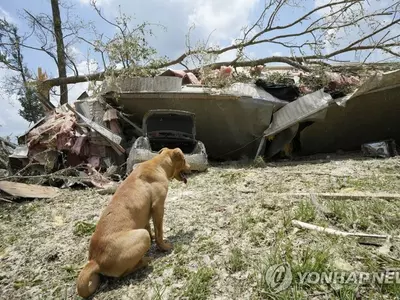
x=88 y=279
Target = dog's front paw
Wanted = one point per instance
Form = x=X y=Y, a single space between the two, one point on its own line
x=165 y=246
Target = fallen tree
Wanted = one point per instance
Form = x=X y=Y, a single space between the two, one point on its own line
x=311 y=38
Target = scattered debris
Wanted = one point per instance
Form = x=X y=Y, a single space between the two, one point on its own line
x=113 y=139
x=63 y=140
x=281 y=91
x=382 y=149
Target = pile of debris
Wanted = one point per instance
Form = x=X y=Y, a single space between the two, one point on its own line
x=68 y=147
x=67 y=138
x=230 y=112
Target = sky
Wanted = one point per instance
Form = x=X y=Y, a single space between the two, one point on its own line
x=223 y=19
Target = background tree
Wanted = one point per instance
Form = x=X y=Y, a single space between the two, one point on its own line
x=19 y=83
x=317 y=34
x=62 y=70
x=54 y=37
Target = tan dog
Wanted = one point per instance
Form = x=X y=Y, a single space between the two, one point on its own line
x=122 y=235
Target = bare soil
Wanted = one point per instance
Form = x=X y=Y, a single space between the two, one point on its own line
x=227 y=226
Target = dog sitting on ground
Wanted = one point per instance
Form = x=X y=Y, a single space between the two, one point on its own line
x=122 y=236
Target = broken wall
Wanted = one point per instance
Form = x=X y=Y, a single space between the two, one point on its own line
x=366 y=118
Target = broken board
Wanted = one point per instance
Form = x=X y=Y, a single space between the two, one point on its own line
x=22 y=190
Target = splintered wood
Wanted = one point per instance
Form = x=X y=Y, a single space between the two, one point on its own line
x=22 y=190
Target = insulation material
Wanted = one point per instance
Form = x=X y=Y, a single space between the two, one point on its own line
x=187 y=78
x=111 y=120
x=91 y=109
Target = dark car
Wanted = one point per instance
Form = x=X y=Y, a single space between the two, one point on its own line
x=171 y=129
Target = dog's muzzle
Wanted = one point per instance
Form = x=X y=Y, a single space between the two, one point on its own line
x=183 y=176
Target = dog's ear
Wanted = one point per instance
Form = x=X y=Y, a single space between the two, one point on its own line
x=165 y=148
x=177 y=155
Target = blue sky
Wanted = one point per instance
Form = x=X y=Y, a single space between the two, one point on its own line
x=224 y=18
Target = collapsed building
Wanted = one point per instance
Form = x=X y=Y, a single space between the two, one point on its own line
x=131 y=119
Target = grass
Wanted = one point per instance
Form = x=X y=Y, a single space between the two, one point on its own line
x=208 y=246
x=224 y=239
x=178 y=248
x=300 y=260
x=180 y=272
x=198 y=287
x=27 y=283
x=158 y=291
x=305 y=212
x=83 y=228
x=71 y=272
x=236 y=260
x=231 y=177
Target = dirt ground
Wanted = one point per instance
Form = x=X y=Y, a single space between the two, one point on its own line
x=228 y=225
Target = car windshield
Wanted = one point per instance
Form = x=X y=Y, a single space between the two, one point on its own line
x=181 y=124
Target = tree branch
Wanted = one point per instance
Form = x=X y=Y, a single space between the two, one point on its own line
x=341 y=16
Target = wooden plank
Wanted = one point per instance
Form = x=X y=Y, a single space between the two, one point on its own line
x=386 y=196
x=23 y=190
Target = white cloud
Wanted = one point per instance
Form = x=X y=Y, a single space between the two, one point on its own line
x=224 y=18
x=99 y=3
x=11 y=123
x=227 y=56
x=84 y=68
x=5 y=14
x=277 y=53
x=75 y=53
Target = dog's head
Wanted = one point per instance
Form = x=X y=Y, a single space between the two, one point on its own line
x=179 y=164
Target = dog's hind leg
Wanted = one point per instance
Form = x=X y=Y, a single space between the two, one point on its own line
x=127 y=253
x=148 y=228
x=144 y=262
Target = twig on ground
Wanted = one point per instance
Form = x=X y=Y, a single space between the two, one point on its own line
x=362 y=236
x=6 y=200
x=50 y=175
x=47 y=176
x=30 y=164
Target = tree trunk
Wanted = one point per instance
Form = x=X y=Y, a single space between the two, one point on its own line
x=62 y=70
